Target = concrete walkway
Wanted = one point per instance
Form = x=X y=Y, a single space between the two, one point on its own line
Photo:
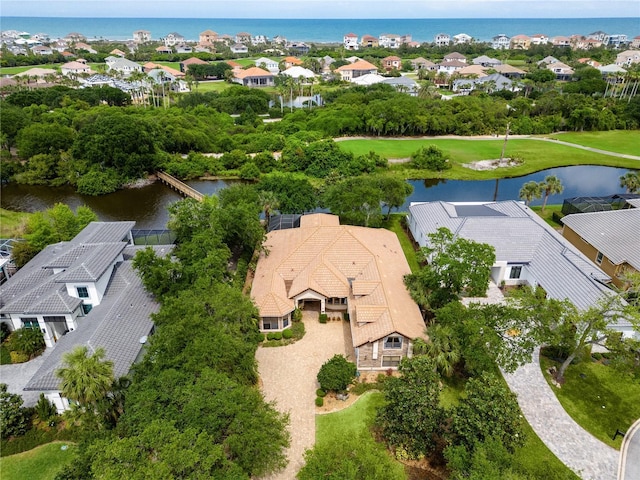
x=17 y=376
x=587 y=456
x=288 y=377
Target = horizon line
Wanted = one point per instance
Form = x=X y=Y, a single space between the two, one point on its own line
x=325 y=18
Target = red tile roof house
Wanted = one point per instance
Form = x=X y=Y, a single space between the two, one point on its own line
x=392 y=63
x=254 y=77
x=184 y=65
x=356 y=69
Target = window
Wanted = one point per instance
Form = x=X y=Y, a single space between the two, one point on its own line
x=394 y=342
x=285 y=323
x=83 y=292
x=54 y=318
x=599 y=258
x=391 y=360
x=30 y=323
x=515 y=272
x=86 y=308
x=270 y=323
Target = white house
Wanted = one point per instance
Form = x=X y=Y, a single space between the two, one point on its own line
x=141 y=36
x=389 y=40
x=172 y=39
x=462 y=38
x=539 y=39
x=122 y=65
x=442 y=40
x=628 y=57
x=268 y=64
x=75 y=68
x=350 y=41
x=239 y=48
x=500 y=42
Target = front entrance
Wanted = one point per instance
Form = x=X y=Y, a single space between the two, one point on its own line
x=310 y=305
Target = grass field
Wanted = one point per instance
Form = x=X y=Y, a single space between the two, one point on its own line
x=15 y=70
x=12 y=223
x=211 y=86
x=619 y=141
x=598 y=399
x=41 y=463
x=536 y=156
x=174 y=65
x=547 y=216
x=395 y=225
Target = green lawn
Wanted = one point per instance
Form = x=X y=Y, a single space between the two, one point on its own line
x=11 y=223
x=174 y=65
x=548 y=214
x=395 y=225
x=619 y=141
x=210 y=86
x=14 y=70
x=536 y=156
x=598 y=399
x=41 y=463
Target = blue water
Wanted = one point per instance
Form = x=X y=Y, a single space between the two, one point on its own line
x=324 y=30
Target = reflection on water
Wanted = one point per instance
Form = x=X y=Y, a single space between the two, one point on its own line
x=148 y=205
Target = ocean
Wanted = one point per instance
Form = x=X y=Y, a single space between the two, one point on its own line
x=319 y=31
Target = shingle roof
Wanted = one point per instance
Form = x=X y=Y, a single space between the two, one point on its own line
x=117 y=325
x=327 y=257
x=521 y=237
x=615 y=233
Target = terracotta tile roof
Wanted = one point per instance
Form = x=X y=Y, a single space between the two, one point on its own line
x=365 y=265
x=253 y=72
x=358 y=65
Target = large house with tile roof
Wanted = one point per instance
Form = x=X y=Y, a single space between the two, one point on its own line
x=356 y=69
x=528 y=251
x=254 y=77
x=343 y=271
x=83 y=292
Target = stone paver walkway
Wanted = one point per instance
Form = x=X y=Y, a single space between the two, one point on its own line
x=587 y=456
x=17 y=376
x=288 y=377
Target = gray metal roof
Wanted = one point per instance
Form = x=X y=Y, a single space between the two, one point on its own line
x=522 y=237
x=92 y=262
x=99 y=232
x=117 y=325
x=615 y=233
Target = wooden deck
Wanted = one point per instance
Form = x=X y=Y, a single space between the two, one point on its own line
x=180 y=187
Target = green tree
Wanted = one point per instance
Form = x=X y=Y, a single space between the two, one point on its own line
x=14 y=419
x=530 y=191
x=412 y=418
x=357 y=201
x=46 y=138
x=85 y=378
x=336 y=374
x=631 y=182
x=430 y=158
x=394 y=192
x=294 y=192
x=26 y=341
x=551 y=185
x=442 y=347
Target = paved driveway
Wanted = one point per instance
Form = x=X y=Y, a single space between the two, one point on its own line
x=289 y=379
x=17 y=376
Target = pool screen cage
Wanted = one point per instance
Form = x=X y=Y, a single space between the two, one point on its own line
x=596 y=204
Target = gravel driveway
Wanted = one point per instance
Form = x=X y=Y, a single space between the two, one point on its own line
x=289 y=379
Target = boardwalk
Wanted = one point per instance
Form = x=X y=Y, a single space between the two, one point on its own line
x=179 y=186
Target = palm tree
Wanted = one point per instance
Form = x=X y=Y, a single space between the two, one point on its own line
x=269 y=203
x=85 y=378
x=530 y=191
x=551 y=185
x=631 y=181
x=442 y=347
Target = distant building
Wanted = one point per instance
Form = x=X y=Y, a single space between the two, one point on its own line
x=616 y=40
x=442 y=40
x=299 y=48
x=243 y=37
x=172 y=39
x=628 y=57
x=184 y=65
x=520 y=42
x=208 y=37
x=268 y=64
x=500 y=42
x=392 y=63
x=368 y=41
x=455 y=56
x=486 y=61
x=562 y=71
x=355 y=70
x=635 y=43
x=539 y=39
x=239 y=48
x=389 y=40
x=422 y=64
x=561 y=41
x=259 y=40
x=350 y=41
x=462 y=38
x=141 y=36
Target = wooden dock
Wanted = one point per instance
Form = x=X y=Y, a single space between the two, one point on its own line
x=180 y=187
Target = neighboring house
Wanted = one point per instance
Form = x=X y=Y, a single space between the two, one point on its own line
x=141 y=36
x=208 y=37
x=268 y=64
x=455 y=56
x=500 y=42
x=122 y=65
x=389 y=40
x=368 y=79
x=299 y=72
x=635 y=43
x=299 y=48
x=41 y=50
x=172 y=39
x=39 y=73
x=353 y=59
x=598 y=35
x=422 y=64
x=450 y=67
x=509 y=71
x=292 y=62
x=75 y=37
x=184 y=48
x=350 y=41
x=84 y=292
x=486 y=61
x=610 y=239
x=611 y=72
x=528 y=251
x=489 y=83
x=539 y=39
x=473 y=71
x=368 y=41
x=355 y=70
x=239 y=48
x=628 y=57
x=407 y=39
x=342 y=271
x=616 y=40
x=562 y=71
x=403 y=85
x=75 y=68
x=462 y=38
x=243 y=37
x=164 y=49
x=548 y=60
x=561 y=41
x=172 y=72
x=85 y=47
x=184 y=65
x=259 y=40
x=254 y=77
x=589 y=61
x=520 y=42
x=392 y=63
x=117 y=52
x=279 y=40
x=442 y=40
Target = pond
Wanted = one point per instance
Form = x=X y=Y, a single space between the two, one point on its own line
x=147 y=205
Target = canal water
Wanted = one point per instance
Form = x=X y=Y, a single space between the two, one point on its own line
x=147 y=205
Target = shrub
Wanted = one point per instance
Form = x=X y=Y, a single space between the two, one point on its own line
x=14 y=418
x=287 y=334
x=262 y=337
x=319 y=401
x=430 y=158
x=320 y=392
x=323 y=318
x=4 y=331
x=277 y=336
x=45 y=409
x=27 y=341
x=270 y=336
x=297 y=315
x=298 y=330
x=336 y=374
x=18 y=357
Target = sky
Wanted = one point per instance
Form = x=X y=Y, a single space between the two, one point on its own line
x=322 y=8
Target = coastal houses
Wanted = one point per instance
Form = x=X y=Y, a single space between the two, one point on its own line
x=341 y=271
x=71 y=69
x=207 y=38
x=243 y=37
x=391 y=63
x=184 y=65
x=627 y=58
x=486 y=61
x=355 y=70
x=539 y=39
x=442 y=40
x=350 y=41
x=520 y=42
x=267 y=64
x=122 y=65
x=254 y=77
x=172 y=39
x=462 y=38
x=239 y=49
x=389 y=40
x=142 y=36
x=500 y=42
x=368 y=41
